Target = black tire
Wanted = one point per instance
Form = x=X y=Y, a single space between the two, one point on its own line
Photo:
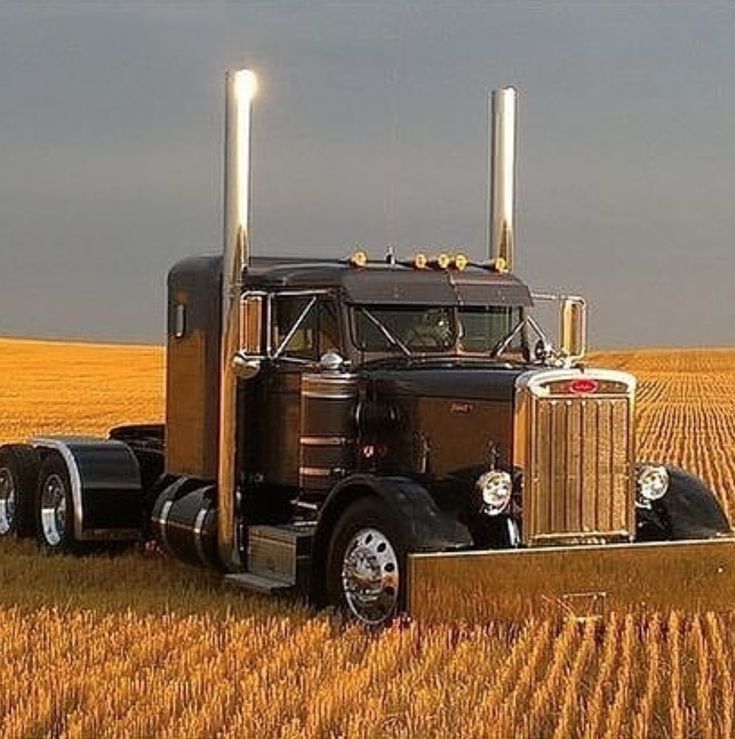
x=365 y=514
x=55 y=534
x=689 y=510
x=19 y=464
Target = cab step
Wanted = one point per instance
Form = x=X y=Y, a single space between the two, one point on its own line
x=258 y=583
x=279 y=559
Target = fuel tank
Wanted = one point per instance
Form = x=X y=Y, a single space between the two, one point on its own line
x=185 y=522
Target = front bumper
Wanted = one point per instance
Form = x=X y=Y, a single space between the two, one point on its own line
x=513 y=584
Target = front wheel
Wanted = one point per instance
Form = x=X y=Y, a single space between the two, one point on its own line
x=366 y=564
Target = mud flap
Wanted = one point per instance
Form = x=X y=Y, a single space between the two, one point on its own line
x=512 y=585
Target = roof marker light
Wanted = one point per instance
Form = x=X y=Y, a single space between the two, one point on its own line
x=461 y=262
x=359 y=258
x=420 y=261
x=443 y=261
x=500 y=265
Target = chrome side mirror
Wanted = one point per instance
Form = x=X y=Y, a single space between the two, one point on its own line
x=251 y=325
x=247 y=361
x=246 y=367
x=573 y=328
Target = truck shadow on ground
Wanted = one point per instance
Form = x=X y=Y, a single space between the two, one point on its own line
x=129 y=582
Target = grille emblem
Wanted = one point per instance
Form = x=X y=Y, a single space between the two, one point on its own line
x=583 y=386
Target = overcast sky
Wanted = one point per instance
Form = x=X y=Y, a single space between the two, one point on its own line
x=370 y=128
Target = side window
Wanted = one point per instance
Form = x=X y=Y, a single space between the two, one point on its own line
x=294 y=326
x=304 y=327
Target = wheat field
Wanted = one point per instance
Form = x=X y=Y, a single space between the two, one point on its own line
x=144 y=647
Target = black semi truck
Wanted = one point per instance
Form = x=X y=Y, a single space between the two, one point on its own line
x=384 y=435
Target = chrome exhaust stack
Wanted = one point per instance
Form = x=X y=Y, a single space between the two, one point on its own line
x=240 y=90
x=502 y=165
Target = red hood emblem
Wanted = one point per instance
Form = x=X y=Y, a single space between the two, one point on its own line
x=583 y=386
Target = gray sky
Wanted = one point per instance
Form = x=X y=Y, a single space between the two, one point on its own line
x=370 y=129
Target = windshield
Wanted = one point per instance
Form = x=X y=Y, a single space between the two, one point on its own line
x=406 y=329
x=485 y=330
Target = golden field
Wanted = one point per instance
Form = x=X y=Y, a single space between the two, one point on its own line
x=144 y=647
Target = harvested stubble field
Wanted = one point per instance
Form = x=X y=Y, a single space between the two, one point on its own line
x=96 y=647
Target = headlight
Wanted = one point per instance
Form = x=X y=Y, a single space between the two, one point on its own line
x=495 y=489
x=653 y=482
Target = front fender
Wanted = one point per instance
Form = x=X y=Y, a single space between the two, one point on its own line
x=425 y=527
x=689 y=510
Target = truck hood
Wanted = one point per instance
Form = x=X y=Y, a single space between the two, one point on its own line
x=445 y=417
x=481 y=381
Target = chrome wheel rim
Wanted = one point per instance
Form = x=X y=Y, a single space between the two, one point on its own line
x=8 y=498
x=53 y=509
x=370 y=576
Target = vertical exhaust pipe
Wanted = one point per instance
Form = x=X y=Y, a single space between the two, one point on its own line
x=240 y=90
x=501 y=229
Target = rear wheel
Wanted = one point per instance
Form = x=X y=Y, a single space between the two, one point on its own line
x=18 y=480
x=54 y=507
x=366 y=564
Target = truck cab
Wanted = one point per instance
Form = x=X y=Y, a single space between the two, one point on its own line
x=420 y=393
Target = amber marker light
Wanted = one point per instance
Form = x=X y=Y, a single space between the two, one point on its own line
x=420 y=261
x=500 y=265
x=461 y=262
x=359 y=258
x=443 y=261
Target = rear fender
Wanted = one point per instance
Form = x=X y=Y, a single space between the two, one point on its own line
x=689 y=510
x=106 y=488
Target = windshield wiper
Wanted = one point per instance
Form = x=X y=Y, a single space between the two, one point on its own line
x=500 y=346
x=392 y=339
x=505 y=342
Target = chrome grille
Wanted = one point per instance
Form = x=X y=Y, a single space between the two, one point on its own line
x=577 y=457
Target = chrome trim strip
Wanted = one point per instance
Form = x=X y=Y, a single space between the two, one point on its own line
x=325 y=441
x=198 y=525
x=328 y=396
x=306 y=506
x=161 y=521
x=316 y=471
x=532 y=379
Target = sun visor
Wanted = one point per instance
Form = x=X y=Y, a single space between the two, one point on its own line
x=503 y=291
x=433 y=287
x=386 y=287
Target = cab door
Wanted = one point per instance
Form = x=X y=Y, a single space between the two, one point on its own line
x=304 y=326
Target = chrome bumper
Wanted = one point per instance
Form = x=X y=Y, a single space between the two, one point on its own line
x=483 y=586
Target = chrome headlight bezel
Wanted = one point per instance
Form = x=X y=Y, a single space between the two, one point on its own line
x=495 y=489
x=652 y=483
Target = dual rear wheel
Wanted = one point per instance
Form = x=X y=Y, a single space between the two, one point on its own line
x=35 y=498
x=19 y=466
x=54 y=509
